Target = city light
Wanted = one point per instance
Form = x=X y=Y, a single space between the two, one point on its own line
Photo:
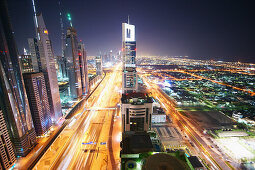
x=188 y=105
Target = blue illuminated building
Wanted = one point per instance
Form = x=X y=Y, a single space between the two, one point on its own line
x=38 y=101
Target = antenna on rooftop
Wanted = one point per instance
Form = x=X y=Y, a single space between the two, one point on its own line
x=69 y=19
x=62 y=28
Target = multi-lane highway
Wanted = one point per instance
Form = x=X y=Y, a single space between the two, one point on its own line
x=91 y=140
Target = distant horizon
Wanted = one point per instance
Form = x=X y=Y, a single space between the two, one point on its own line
x=202 y=58
x=168 y=27
x=188 y=57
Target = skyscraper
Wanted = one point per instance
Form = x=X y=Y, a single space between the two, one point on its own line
x=136 y=107
x=61 y=67
x=99 y=68
x=129 y=75
x=38 y=101
x=26 y=64
x=83 y=67
x=46 y=64
x=13 y=98
x=7 y=155
x=72 y=63
x=35 y=54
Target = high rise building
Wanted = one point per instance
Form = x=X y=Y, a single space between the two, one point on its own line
x=129 y=75
x=136 y=112
x=111 y=57
x=62 y=74
x=13 y=97
x=26 y=64
x=72 y=63
x=136 y=106
x=83 y=67
x=7 y=155
x=35 y=54
x=99 y=68
x=38 y=101
x=42 y=48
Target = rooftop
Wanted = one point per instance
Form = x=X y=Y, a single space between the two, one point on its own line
x=136 y=142
x=136 y=98
x=195 y=162
x=158 y=110
x=162 y=161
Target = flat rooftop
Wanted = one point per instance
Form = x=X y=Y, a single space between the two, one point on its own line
x=136 y=98
x=136 y=142
x=195 y=162
x=163 y=161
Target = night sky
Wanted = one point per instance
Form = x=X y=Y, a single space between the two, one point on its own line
x=202 y=29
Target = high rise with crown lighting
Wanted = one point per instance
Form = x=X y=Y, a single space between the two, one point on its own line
x=129 y=75
x=13 y=97
x=46 y=64
x=136 y=106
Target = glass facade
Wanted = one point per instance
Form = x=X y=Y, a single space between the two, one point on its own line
x=13 y=98
x=46 y=64
x=83 y=67
x=38 y=101
x=73 y=64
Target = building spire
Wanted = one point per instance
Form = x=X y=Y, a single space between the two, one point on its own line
x=35 y=18
x=34 y=9
x=62 y=28
x=128 y=19
x=69 y=19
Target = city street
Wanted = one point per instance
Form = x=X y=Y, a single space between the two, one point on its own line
x=84 y=143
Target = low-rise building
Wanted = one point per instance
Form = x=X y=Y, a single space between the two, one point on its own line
x=136 y=111
x=158 y=115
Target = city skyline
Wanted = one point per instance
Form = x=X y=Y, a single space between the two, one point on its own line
x=126 y=108
x=192 y=29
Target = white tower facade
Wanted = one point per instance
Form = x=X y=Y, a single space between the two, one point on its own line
x=129 y=75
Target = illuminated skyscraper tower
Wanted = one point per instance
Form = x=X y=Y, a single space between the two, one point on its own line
x=72 y=63
x=83 y=67
x=13 y=98
x=136 y=107
x=129 y=75
x=46 y=64
x=99 y=68
x=38 y=101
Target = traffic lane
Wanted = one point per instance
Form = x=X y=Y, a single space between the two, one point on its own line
x=49 y=157
x=200 y=142
x=170 y=107
x=100 y=103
